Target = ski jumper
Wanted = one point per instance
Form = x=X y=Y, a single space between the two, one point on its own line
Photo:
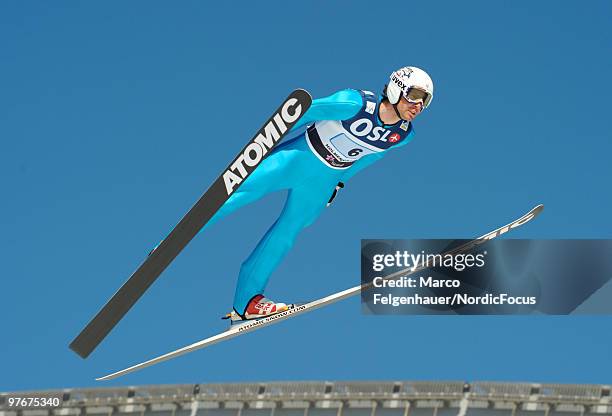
x=347 y=136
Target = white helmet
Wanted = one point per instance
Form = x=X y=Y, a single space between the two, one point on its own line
x=412 y=83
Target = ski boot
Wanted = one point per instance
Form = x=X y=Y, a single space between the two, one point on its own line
x=257 y=308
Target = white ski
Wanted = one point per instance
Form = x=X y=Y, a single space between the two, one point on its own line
x=298 y=309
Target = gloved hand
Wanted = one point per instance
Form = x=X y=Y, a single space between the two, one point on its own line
x=333 y=196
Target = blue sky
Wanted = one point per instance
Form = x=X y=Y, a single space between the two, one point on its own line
x=115 y=117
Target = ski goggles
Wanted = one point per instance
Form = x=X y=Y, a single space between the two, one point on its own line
x=416 y=95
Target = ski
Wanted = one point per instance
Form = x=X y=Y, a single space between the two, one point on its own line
x=277 y=126
x=298 y=309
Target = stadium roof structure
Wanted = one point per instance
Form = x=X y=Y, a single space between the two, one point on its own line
x=367 y=398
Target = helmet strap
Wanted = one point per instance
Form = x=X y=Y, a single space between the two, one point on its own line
x=396 y=111
x=384 y=94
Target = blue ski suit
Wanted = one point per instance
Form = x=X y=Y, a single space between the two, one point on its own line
x=346 y=137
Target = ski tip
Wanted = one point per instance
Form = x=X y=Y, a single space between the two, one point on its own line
x=537 y=209
x=301 y=94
